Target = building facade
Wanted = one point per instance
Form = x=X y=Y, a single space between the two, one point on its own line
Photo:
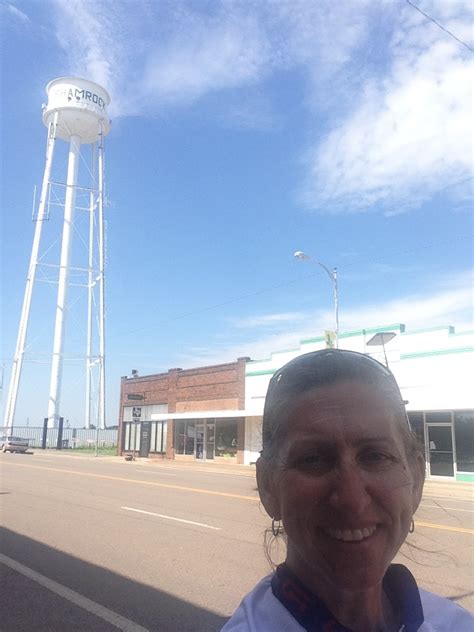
x=185 y=414
x=434 y=369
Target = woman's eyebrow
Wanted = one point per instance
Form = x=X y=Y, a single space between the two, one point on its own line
x=304 y=444
x=377 y=439
x=321 y=442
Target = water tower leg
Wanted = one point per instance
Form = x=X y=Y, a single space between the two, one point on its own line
x=57 y=360
x=90 y=301
x=101 y=420
x=30 y=280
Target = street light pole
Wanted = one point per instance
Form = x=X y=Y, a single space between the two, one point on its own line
x=332 y=274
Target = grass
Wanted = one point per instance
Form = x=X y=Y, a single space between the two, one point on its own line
x=90 y=451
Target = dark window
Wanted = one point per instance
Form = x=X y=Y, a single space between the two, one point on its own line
x=226 y=437
x=184 y=437
x=179 y=437
x=416 y=422
x=439 y=417
x=464 y=434
x=190 y=434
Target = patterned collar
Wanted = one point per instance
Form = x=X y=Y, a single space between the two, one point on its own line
x=311 y=613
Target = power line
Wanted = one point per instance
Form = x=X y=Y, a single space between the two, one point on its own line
x=439 y=25
x=242 y=297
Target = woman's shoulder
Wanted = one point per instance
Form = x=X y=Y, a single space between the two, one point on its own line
x=260 y=611
x=443 y=614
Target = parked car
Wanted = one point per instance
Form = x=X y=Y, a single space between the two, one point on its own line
x=13 y=444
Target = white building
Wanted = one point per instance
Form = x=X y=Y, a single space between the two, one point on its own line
x=434 y=368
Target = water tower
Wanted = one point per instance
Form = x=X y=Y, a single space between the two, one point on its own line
x=76 y=112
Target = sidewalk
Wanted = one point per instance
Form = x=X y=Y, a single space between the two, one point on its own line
x=449 y=488
x=221 y=468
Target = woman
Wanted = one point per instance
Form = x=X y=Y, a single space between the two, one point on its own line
x=342 y=474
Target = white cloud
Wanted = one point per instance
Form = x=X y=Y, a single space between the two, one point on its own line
x=14 y=12
x=171 y=53
x=394 y=91
x=410 y=133
x=268 y=320
x=450 y=303
x=206 y=55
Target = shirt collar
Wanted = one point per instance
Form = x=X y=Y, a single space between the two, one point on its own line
x=311 y=613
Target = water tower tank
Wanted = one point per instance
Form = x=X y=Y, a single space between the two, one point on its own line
x=81 y=105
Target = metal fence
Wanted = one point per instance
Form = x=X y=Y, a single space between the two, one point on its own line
x=72 y=437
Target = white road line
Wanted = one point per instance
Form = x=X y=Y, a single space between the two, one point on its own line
x=158 y=473
x=447 y=508
x=151 y=513
x=83 y=602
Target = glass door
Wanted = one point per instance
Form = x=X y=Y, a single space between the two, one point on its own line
x=210 y=437
x=199 y=450
x=440 y=449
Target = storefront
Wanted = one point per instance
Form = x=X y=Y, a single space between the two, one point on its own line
x=448 y=437
x=207 y=436
x=434 y=369
x=194 y=414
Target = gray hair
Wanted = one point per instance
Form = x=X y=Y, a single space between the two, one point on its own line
x=324 y=368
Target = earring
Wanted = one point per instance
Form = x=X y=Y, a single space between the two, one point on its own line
x=412 y=526
x=276 y=527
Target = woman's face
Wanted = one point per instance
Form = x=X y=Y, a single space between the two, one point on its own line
x=342 y=485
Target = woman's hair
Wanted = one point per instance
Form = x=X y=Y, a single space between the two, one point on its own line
x=326 y=368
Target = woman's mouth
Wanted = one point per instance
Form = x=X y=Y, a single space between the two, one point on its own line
x=350 y=535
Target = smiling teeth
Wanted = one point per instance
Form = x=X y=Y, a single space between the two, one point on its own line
x=350 y=535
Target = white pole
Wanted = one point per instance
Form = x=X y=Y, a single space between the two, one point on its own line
x=30 y=280
x=90 y=293
x=57 y=361
x=101 y=420
x=336 y=306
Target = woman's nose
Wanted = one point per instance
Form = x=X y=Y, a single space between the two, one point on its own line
x=349 y=492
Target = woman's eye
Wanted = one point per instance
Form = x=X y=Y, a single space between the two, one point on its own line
x=374 y=457
x=314 y=461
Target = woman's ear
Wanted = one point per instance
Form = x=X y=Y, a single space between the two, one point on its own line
x=266 y=489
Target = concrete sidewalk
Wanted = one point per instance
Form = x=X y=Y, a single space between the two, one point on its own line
x=451 y=489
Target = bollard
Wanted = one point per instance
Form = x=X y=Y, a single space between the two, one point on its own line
x=45 y=432
x=59 y=444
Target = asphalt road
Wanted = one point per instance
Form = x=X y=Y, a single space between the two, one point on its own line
x=101 y=544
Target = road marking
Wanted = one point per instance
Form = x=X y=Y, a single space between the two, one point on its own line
x=447 y=508
x=196 y=490
x=443 y=527
x=94 y=608
x=151 y=513
x=158 y=473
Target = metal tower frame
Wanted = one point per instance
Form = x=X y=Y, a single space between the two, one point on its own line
x=95 y=277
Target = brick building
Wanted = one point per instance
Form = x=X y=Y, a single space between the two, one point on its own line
x=185 y=414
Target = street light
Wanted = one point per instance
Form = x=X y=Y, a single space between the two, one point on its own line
x=333 y=276
x=380 y=339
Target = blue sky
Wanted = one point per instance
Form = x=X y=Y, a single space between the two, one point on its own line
x=243 y=131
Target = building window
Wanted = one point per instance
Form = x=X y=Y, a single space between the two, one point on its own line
x=464 y=434
x=158 y=436
x=439 y=417
x=184 y=437
x=416 y=422
x=131 y=436
x=226 y=437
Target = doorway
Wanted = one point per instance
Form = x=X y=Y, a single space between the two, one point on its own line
x=205 y=438
x=440 y=449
